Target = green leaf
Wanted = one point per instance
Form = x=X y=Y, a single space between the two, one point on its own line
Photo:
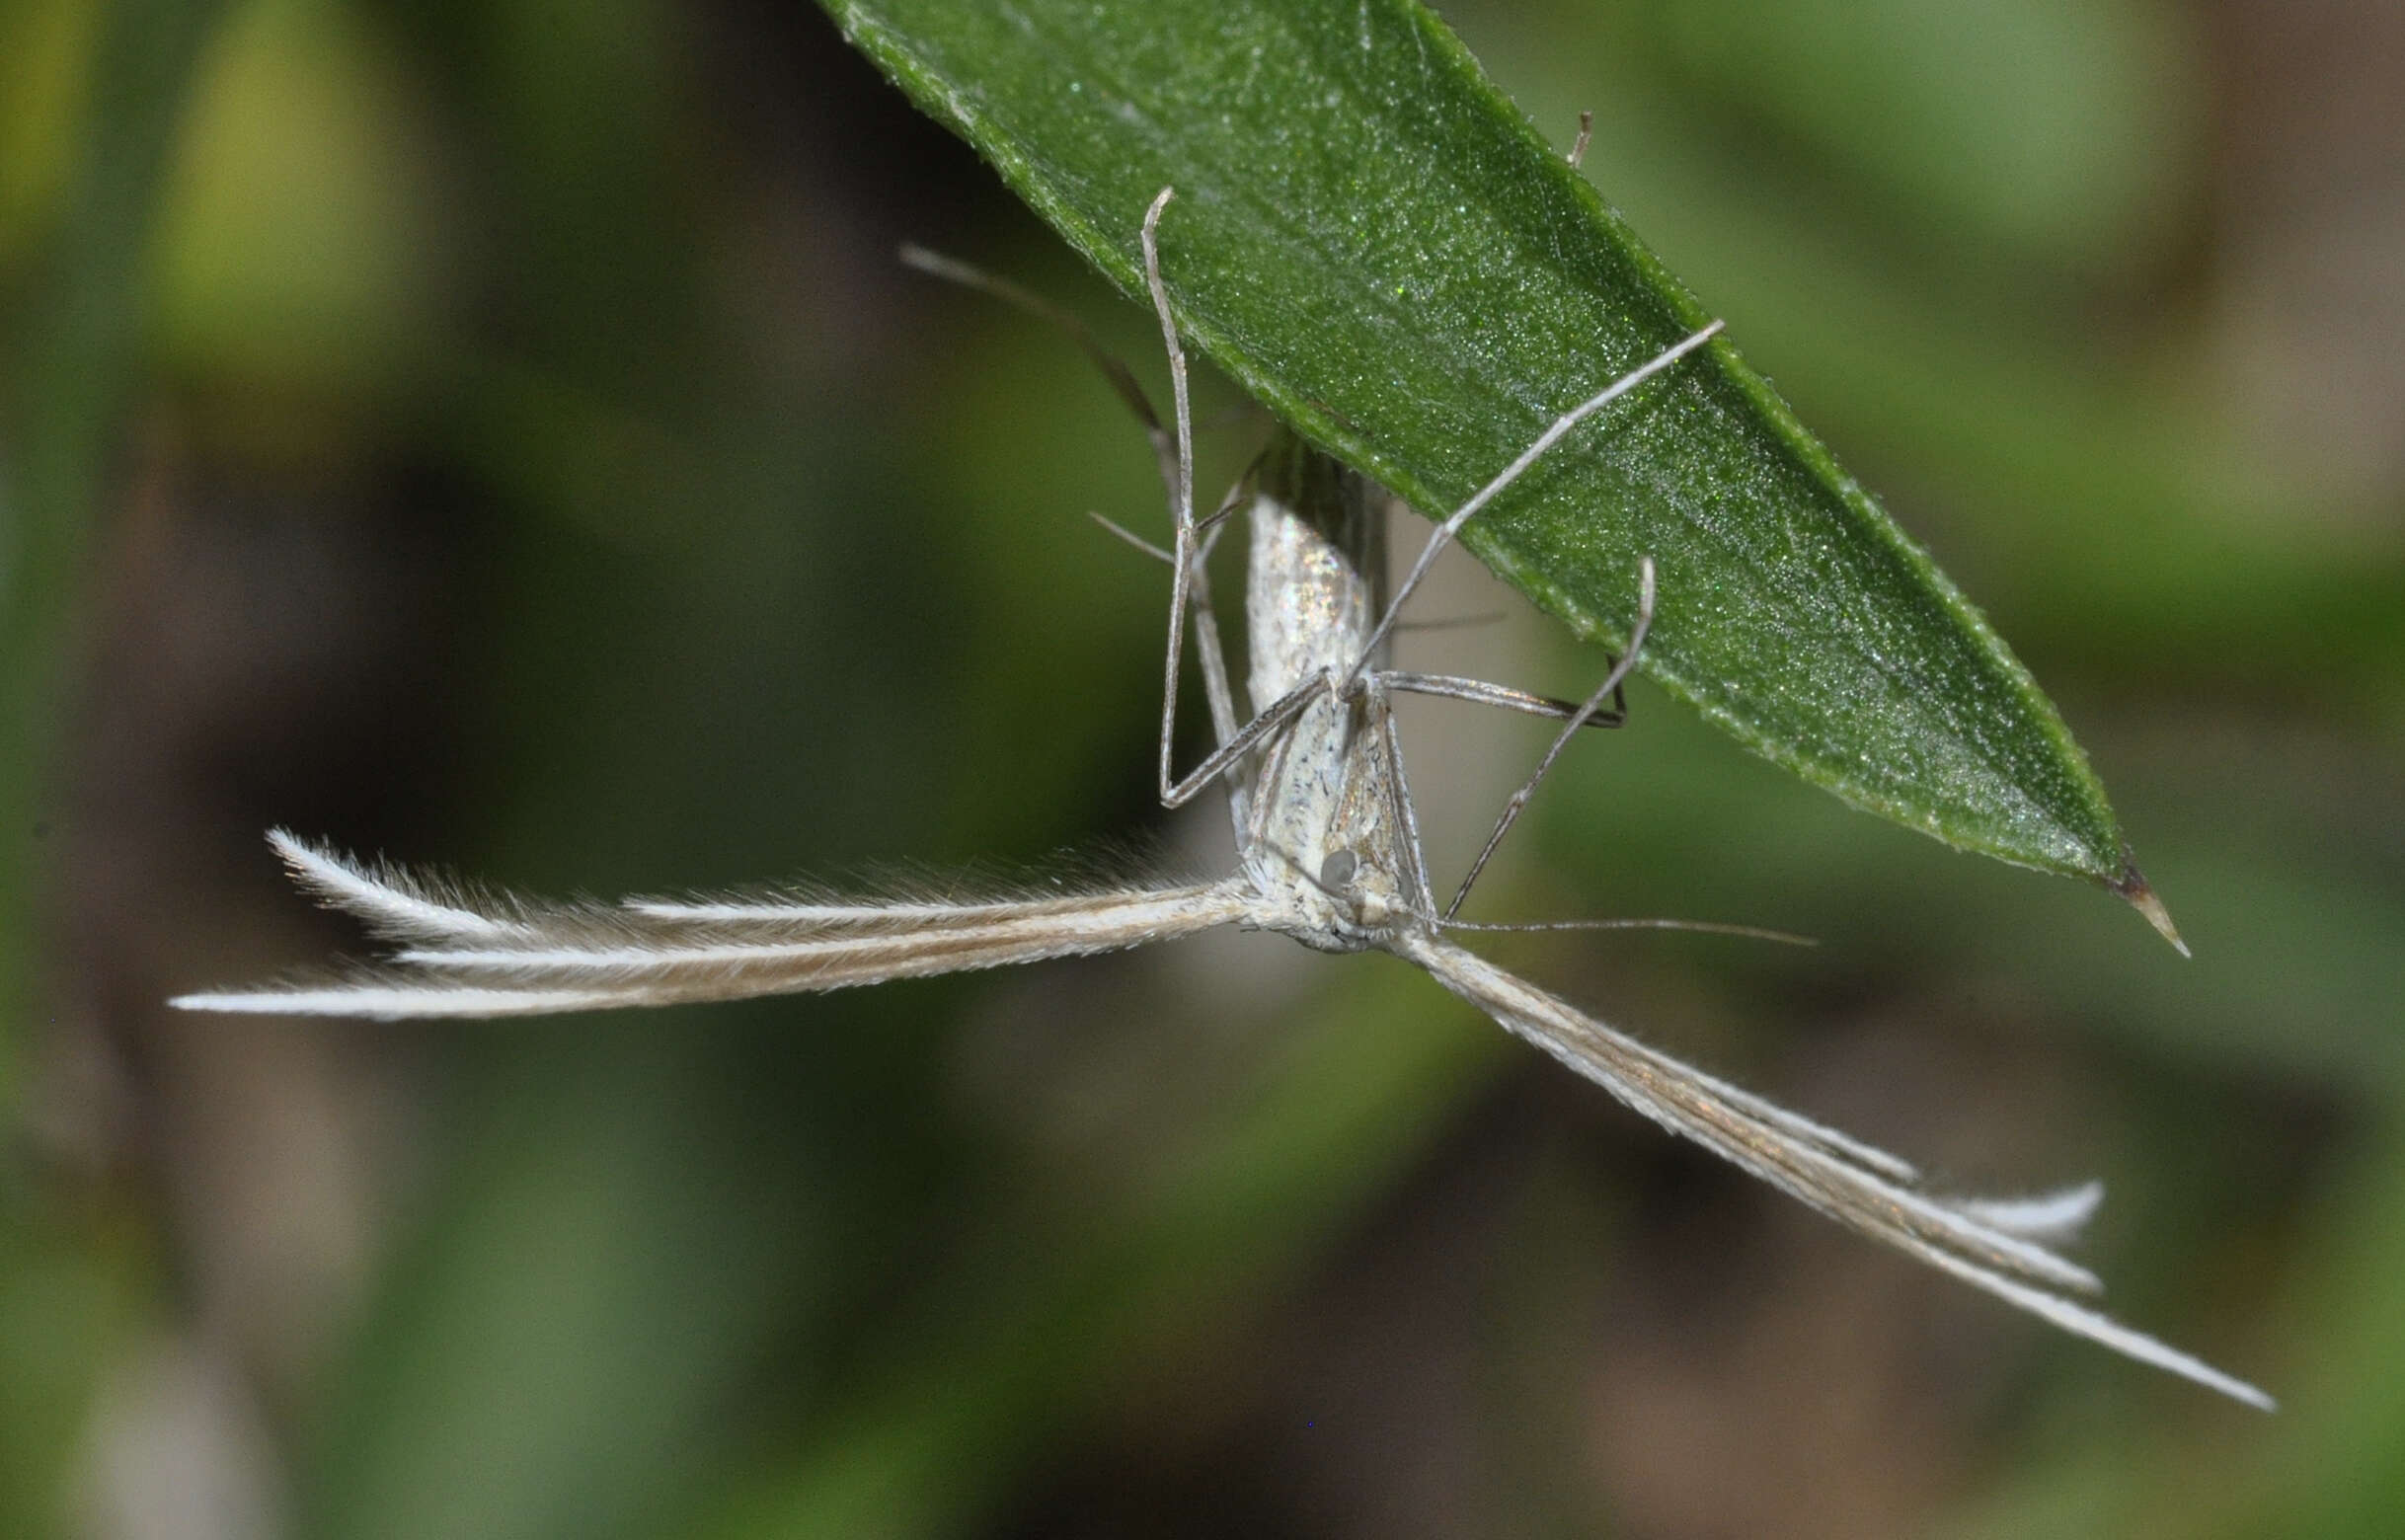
x=1371 y=239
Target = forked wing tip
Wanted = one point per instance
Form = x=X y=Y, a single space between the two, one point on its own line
x=2049 y=1216
x=2106 y=1332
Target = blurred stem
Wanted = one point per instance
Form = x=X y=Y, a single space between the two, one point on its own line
x=81 y=342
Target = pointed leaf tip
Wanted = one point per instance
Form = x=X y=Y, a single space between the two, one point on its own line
x=2131 y=886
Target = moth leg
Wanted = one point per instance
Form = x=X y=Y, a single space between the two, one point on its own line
x=1208 y=646
x=1230 y=754
x=1479 y=692
x=1407 y=813
x=1189 y=589
x=1610 y=687
x=1545 y=440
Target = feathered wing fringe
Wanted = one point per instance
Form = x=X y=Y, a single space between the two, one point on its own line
x=397 y=904
x=474 y=954
x=1991 y=1245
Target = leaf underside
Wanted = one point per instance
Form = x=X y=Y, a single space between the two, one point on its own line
x=1374 y=242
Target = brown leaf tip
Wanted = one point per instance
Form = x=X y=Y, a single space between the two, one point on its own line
x=2131 y=886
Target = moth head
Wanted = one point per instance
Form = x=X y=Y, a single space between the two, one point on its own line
x=1340 y=876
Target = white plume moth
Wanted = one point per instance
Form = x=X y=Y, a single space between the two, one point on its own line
x=1328 y=853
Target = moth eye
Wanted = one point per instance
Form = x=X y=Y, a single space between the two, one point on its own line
x=1338 y=869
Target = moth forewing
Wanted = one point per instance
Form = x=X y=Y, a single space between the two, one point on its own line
x=475 y=954
x=1990 y=1245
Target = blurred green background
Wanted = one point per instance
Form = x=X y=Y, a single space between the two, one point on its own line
x=499 y=435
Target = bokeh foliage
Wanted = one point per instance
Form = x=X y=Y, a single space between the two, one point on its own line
x=497 y=434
